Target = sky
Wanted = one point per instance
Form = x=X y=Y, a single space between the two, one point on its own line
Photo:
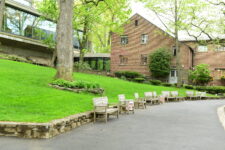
x=138 y=7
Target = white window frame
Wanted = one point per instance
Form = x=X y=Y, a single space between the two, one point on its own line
x=123 y=39
x=202 y=48
x=144 y=38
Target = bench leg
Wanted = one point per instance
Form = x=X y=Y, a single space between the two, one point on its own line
x=94 y=117
x=106 y=118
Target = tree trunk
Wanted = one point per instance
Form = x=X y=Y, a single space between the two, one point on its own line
x=178 y=65
x=64 y=45
x=2 y=8
x=84 y=41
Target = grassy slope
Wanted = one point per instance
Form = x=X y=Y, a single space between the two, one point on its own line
x=25 y=95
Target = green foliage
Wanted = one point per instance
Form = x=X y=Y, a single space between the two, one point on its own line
x=223 y=79
x=75 y=84
x=93 y=64
x=139 y=80
x=211 y=89
x=48 y=7
x=200 y=75
x=128 y=74
x=155 y=82
x=160 y=63
x=166 y=84
x=100 y=65
x=188 y=86
x=107 y=66
x=82 y=66
x=98 y=21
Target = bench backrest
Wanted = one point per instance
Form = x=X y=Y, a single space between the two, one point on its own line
x=154 y=94
x=165 y=93
x=190 y=93
x=121 y=97
x=136 y=95
x=174 y=93
x=100 y=101
x=148 y=94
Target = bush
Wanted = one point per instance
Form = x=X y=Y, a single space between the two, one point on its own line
x=160 y=61
x=107 y=66
x=139 y=80
x=155 y=82
x=75 y=84
x=223 y=79
x=82 y=66
x=100 y=65
x=211 y=89
x=200 y=75
x=188 y=86
x=128 y=74
x=93 y=64
x=166 y=84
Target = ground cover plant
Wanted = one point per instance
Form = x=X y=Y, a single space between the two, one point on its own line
x=25 y=94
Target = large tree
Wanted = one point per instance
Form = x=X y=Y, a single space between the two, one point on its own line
x=2 y=8
x=64 y=49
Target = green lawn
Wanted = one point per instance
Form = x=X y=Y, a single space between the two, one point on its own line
x=26 y=97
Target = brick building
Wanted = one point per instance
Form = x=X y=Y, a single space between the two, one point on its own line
x=130 y=51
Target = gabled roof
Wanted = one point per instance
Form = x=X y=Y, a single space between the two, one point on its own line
x=183 y=35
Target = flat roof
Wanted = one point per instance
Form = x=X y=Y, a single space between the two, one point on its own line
x=18 y=5
x=93 y=55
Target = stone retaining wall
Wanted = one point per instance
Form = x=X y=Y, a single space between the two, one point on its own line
x=45 y=130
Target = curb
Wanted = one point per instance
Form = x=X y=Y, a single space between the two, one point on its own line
x=221 y=115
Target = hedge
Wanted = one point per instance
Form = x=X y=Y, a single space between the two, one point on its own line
x=128 y=74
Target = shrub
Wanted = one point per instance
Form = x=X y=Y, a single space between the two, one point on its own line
x=100 y=65
x=223 y=79
x=188 y=86
x=160 y=61
x=82 y=66
x=211 y=89
x=139 y=80
x=93 y=64
x=107 y=66
x=75 y=84
x=166 y=84
x=200 y=75
x=155 y=82
x=128 y=74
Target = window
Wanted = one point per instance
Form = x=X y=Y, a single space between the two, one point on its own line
x=136 y=22
x=24 y=2
x=173 y=73
x=144 y=38
x=25 y=24
x=144 y=59
x=123 y=60
x=174 y=51
x=124 y=39
x=202 y=48
x=220 y=48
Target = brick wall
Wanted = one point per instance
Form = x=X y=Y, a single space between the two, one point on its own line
x=215 y=59
x=134 y=49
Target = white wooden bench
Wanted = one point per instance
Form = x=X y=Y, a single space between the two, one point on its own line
x=101 y=108
x=139 y=102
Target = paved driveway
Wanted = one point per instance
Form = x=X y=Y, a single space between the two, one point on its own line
x=173 y=126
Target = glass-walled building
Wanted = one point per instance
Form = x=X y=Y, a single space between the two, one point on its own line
x=24 y=23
